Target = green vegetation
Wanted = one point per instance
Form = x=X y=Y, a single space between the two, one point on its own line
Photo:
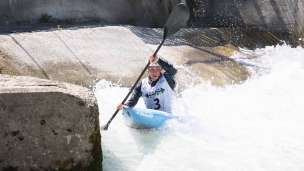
x=45 y=18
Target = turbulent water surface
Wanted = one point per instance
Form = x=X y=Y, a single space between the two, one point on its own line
x=256 y=125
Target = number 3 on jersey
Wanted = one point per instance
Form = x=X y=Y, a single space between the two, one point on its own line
x=156 y=100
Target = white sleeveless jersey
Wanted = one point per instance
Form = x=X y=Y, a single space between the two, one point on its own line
x=158 y=97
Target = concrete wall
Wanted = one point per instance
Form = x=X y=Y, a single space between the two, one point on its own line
x=274 y=15
x=139 y=12
x=48 y=125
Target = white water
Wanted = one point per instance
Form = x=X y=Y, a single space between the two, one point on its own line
x=257 y=125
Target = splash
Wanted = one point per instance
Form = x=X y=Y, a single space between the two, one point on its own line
x=257 y=125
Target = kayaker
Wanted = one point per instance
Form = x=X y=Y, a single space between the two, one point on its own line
x=157 y=89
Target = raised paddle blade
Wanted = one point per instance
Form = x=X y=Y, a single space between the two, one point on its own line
x=177 y=20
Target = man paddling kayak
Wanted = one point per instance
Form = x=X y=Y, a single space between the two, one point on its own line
x=157 y=89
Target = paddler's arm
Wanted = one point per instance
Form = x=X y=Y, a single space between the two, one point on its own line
x=134 y=98
x=170 y=72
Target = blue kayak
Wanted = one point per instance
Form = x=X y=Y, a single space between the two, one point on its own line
x=145 y=118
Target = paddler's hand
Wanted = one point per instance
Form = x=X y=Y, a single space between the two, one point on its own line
x=121 y=106
x=153 y=59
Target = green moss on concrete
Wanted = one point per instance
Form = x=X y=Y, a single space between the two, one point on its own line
x=69 y=165
x=95 y=139
x=96 y=152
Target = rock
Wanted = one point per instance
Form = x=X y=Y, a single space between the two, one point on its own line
x=48 y=125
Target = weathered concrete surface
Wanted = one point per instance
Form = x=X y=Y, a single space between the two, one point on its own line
x=47 y=125
x=118 y=53
x=277 y=16
x=139 y=12
x=285 y=16
x=77 y=57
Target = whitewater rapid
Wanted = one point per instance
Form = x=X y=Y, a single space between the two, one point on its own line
x=256 y=125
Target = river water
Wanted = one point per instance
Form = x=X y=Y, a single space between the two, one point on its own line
x=256 y=125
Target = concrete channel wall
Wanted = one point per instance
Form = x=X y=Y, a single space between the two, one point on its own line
x=139 y=12
x=273 y=15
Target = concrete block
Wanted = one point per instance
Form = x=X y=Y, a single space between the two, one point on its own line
x=48 y=125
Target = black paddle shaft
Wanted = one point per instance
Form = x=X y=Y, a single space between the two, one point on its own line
x=177 y=20
x=131 y=90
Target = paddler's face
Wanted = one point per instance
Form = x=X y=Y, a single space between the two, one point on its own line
x=154 y=72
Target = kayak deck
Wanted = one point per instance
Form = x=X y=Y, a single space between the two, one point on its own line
x=145 y=118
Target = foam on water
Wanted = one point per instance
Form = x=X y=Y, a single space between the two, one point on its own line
x=257 y=125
